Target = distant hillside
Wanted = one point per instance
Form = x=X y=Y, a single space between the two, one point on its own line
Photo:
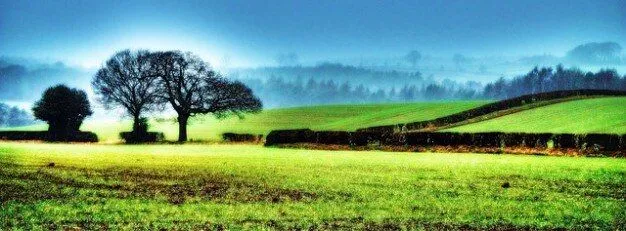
x=598 y=115
x=333 y=117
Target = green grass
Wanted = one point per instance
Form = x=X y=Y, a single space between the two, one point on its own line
x=248 y=187
x=334 y=117
x=598 y=115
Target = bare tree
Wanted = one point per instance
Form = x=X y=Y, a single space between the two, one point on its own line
x=192 y=87
x=127 y=80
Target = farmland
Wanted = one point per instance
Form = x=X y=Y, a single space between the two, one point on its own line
x=246 y=186
x=334 y=117
x=598 y=115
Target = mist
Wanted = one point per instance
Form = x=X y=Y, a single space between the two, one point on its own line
x=298 y=53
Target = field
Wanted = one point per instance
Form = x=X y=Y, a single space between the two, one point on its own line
x=598 y=115
x=247 y=186
x=334 y=117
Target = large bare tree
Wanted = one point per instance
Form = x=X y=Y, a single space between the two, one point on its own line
x=128 y=80
x=192 y=87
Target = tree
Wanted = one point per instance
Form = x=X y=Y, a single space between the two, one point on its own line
x=413 y=57
x=191 y=87
x=63 y=108
x=128 y=80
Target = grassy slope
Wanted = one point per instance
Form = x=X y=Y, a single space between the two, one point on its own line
x=598 y=115
x=336 y=117
x=249 y=186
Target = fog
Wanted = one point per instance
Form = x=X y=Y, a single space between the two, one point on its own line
x=364 y=52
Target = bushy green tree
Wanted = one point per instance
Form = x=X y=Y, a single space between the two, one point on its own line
x=63 y=108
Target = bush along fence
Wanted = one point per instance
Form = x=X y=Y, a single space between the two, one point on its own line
x=141 y=137
x=247 y=138
x=491 y=108
x=46 y=136
x=587 y=144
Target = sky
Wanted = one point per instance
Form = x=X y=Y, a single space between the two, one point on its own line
x=246 y=33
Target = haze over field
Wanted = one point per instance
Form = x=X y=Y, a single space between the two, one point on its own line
x=368 y=50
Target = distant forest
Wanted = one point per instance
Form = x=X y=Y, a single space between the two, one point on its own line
x=276 y=90
x=14 y=116
x=332 y=83
x=25 y=82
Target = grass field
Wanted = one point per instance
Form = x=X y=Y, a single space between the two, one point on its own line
x=246 y=186
x=335 y=117
x=599 y=115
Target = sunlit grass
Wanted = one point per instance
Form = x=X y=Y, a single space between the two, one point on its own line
x=333 y=117
x=246 y=186
x=599 y=115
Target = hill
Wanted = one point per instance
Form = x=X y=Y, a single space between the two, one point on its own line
x=597 y=115
x=330 y=117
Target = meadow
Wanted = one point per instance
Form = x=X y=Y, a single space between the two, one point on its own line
x=597 y=115
x=330 y=117
x=199 y=186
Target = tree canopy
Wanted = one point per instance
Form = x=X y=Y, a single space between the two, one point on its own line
x=128 y=80
x=63 y=108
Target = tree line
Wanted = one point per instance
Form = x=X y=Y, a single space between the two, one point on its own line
x=547 y=79
x=14 y=116
x=144 y=81
x=280 y=92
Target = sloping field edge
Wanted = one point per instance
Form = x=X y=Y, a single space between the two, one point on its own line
x=494 y=110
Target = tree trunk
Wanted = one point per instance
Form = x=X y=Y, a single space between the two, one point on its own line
x=182 y=128
x=136 y=124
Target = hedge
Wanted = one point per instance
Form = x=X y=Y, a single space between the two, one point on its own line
x=236 y=137
x=589 y=142
x=608 y=142
x=332 y=137
x=290 y=137
x=492 y=107
x=45 y=136
x=143 y=137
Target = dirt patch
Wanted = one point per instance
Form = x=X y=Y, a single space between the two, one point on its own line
x=21 y=184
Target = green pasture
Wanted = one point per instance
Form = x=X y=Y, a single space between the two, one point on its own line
x=193 y=186
x=332 y=117
x=597 y=115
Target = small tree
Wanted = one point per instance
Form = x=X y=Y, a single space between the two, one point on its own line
x=127 y=80
x=63 y=108
x=192 y=87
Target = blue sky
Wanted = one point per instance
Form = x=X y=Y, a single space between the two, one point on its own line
x=252 y=33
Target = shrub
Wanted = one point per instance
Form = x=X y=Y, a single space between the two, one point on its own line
x=566 y=141
x=487 y=139
x=141 y=137
x=290 y=137
x=46 y=136
x=235 y=137
x=601 y=142
x=333 y=137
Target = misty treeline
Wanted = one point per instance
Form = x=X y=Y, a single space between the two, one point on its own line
x=547 y=79
x=333 y=83
x=23 y=80
x=14 y=116
x=284 y=91
x=278 y=92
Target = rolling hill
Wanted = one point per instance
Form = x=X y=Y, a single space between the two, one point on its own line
x=330 y=117
x=596 y=115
